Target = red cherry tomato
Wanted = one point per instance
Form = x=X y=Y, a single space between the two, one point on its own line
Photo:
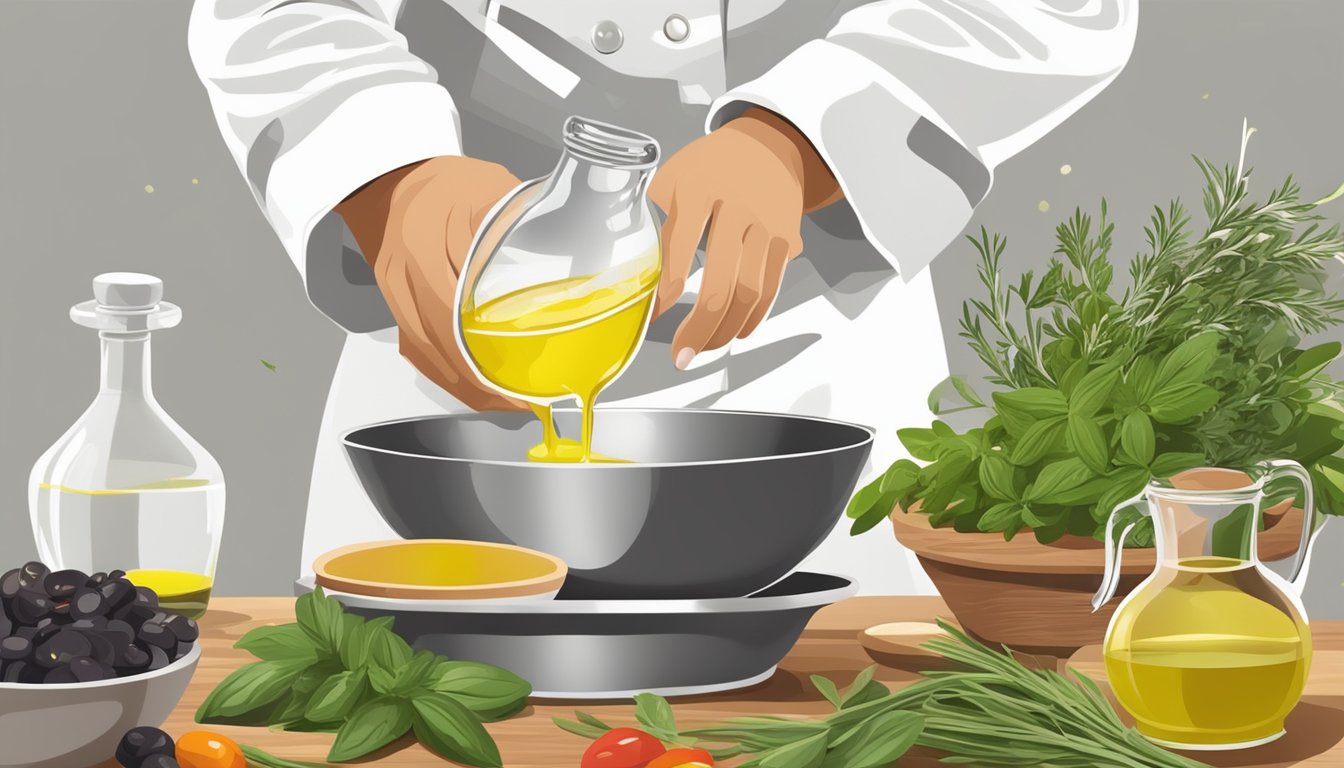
x=682 y=758
x=622 y=748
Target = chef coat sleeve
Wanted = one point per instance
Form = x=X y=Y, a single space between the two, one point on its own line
x=913 y=103
x=315 y=99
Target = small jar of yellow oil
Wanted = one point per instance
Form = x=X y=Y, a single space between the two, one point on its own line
x=1212 y=650
x=556 y=294
x=126 y=488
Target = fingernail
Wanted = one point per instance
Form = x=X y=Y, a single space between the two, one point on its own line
x=684 y=358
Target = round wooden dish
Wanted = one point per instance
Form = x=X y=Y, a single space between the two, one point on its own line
x=440 y=569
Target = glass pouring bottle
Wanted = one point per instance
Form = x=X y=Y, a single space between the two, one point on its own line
x=126 y=488
x=1212 y=650
x=558 y=289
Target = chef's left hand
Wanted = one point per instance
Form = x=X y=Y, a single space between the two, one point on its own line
x=749 y=182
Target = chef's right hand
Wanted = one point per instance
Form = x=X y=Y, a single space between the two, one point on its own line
x=415 y=226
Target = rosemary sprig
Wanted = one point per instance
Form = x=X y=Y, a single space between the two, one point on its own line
x=990 y=711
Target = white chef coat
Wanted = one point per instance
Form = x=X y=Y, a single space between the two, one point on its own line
x=911 y=103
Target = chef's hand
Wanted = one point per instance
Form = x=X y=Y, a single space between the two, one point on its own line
x=415 y=226
x=750 y=182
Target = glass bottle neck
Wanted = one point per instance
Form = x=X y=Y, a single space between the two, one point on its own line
x=125 y=365
x=609 y=190
x=1206 y=533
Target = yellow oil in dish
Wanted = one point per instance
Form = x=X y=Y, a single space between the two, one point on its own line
x=1214 y=657
x=179 y=591
x=566 y=338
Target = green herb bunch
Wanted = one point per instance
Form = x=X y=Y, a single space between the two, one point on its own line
x=336 y=672
x=991 y=710
x=1198 y=362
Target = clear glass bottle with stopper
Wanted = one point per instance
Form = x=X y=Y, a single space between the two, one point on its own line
x=126 y=488
x=557 y=291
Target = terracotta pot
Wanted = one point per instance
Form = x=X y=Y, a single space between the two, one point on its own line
x=1037 y=598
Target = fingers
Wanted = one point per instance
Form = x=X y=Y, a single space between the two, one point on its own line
x=681 y=235
x=778 y=254
x=748 y=287
x=716 y=289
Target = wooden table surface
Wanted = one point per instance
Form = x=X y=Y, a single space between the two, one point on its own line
x=828 y=647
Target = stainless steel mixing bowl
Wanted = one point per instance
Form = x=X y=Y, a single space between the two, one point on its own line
x=716 y=503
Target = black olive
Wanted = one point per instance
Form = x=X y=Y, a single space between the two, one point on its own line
x=157 y=636
x=119 y=627
x=135 y=615
x=58 y=675
x=132 y=657
x=93 y=622
x=9 y=583
x=184 y=629
x=103 y=650
x=62 y=584
x=87 y=603
x=117 y=593
x=6 y=623
x=146 y=596
x=160 y=761
x=158 y=658
x=183 y=649
x=88 y=670
x=12 y=648
x=31 y=606
x=65 y=645
x=97 y=579
x=116 y=574
x=141 y=743
x=32 y=574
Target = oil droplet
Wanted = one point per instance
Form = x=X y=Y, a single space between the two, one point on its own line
x=195 y=181
x=1205 y=97
x=1043 y=206
x=149 y=188
x=1065 y=169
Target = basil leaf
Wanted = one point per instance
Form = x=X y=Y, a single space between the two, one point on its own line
x=877 y=742
x=1043 y=437
x=372 y=726
x=655 y=714
x=277 y=643
x=1089 y=442
x=860 y=682
x=1093 y=390
x=900 y=478
x=998 y=478
x=301 y=690
x=492 y=693
x=1087 y=493
x=1313 y=360
x=415 y=675
x=450 y=730
x=827 y=689
x=1032 y=402
x=249 y=688
x=1181 y=402
x=320 y=618
x=921 y=443
x=1128 y=482
x=382 y=681
x=387 y=649
x=1189 y=362
x=1137 y=441
x=1142 y=376
x=355 y=642
x=1001 y=517
x=334 y=699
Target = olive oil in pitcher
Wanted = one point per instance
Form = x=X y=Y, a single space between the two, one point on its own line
x=1212 y=650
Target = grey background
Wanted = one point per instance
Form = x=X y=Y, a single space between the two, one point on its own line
x=98 y=99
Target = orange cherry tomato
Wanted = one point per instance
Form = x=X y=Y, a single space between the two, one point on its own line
x=682 y=758
x=621 y=748
x=203 y=749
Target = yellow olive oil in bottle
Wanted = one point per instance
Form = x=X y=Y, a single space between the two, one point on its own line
x=126 y=488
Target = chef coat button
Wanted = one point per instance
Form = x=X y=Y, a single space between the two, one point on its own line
x=677 y=28
x=608 y=37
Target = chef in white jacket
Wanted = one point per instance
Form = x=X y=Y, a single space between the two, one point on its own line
x=826 y=150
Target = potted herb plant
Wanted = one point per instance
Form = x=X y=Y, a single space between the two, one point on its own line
x=1199 y=361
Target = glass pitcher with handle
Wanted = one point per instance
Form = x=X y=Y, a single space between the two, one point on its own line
x=1212 y=650
x=558 y=288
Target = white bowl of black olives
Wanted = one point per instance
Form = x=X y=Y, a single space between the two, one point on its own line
x=83 y=659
